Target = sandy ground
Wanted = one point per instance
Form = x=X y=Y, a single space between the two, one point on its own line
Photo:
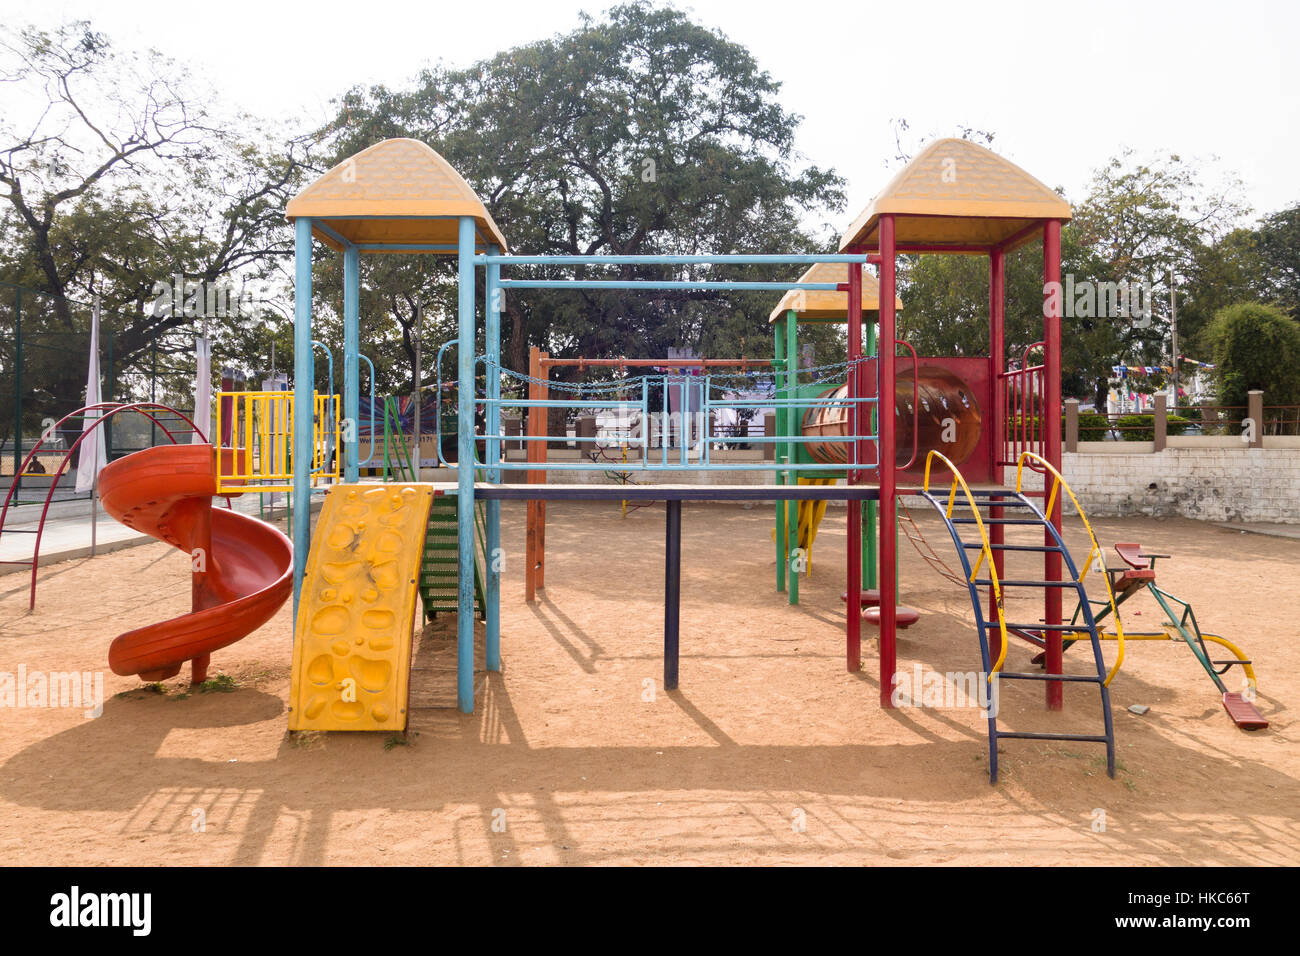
x=770 y=752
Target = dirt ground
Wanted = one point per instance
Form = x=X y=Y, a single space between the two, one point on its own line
x=770 y=753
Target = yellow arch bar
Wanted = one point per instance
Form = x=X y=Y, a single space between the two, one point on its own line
x=985 y=550
x=1095 y=554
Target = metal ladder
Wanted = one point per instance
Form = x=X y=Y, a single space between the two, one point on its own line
x=438 y=568
x=1026 y=514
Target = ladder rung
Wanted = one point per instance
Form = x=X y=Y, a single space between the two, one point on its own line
x=20 y=531
x=985 y=582
x=1076 y=628
x=1028 y=735
x=1067 y=678
x=975 y=546
x=1025 y=521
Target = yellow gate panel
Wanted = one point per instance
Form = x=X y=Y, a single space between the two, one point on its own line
x=352 y=642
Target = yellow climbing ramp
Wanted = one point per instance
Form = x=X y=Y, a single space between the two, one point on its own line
x=810 y=519
x=352 y=643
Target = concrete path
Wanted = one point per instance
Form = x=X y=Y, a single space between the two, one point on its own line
x=1262 y=527
x=67 y=531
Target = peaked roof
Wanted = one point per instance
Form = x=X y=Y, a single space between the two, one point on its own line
x=958 y=193
x=814 y=306
x=398 y=191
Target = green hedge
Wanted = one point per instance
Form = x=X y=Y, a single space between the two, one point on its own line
x=1092 y=426
x=1142 y=427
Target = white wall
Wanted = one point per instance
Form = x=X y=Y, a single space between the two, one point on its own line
x=1207 y=484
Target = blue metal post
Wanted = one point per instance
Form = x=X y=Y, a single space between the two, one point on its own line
x=304 y=390
x=465 y=471
x=351 y=363
x=492 y=341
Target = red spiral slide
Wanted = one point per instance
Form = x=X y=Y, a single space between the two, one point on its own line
x=243 y=567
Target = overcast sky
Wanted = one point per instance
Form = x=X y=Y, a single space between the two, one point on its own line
x=1063 y=87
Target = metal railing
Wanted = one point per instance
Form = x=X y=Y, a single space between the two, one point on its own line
x=260 y=426
x=1024 y=392
x=659 y=424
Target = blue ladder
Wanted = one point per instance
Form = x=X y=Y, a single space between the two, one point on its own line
x=1026 y=514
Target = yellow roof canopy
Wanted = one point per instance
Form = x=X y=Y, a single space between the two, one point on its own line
x=398 y=192
x=814 y=306
x=956 y=193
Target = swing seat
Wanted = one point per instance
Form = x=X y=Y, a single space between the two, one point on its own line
x=904 y=617
x=1140 y=572
x=870 y=597
x=1243 y=713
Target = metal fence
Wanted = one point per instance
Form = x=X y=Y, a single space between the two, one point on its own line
x=43 y=363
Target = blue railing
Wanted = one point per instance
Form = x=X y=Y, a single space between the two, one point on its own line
x=692 y=427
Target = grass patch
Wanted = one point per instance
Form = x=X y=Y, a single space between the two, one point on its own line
x=221 y=684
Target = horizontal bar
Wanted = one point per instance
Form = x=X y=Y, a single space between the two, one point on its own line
x=559 y=492
x=791 y=403
x=553 y=403
x=738 y=259
x=652 y=363
x=978 y=546
x=1073 y=628
x=985 y=582
x=664 y=284
x=1065 y=678
x=1027 y=735
x=792 y=438
x=670 y=466
x=1024 y=521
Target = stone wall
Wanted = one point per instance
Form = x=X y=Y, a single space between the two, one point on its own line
x=1207 y=484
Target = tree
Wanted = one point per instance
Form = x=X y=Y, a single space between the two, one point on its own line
x=639 y=133
x=1256 y=347
x=123 y=178
x=1279 y=247
x=1219 y=274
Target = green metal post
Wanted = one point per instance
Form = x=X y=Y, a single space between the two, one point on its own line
x=792 y=430
x=780 y=450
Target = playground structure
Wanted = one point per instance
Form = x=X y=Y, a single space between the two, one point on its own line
x=383 y=204
x=354 y=580
x=955 y=197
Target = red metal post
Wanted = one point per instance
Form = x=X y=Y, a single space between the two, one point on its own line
x=1051 y=425
x=997 y=365
x=853 y=620
x=535 y=534
x=886 y=459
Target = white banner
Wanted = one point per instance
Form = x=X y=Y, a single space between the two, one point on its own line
x=92 y=457
x=202 y=391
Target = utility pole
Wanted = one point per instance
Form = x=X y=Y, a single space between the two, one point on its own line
x=1173 y=335
x=419 y=332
